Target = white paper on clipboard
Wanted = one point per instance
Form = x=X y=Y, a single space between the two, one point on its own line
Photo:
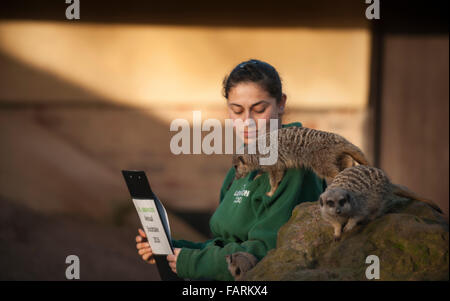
x=153 y=226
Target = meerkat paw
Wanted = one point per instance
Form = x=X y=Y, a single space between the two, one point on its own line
x=351 y=224
x=270 y=193
x=348 y=228
x=337 y=231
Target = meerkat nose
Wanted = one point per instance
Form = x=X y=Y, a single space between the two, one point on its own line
x=338 y=211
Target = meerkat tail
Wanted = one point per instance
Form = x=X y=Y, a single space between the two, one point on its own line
x=356 y=154
x=403 y=191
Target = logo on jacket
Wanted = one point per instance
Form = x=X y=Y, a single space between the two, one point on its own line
x=239 y=194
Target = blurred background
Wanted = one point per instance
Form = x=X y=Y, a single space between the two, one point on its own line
x=81 y=100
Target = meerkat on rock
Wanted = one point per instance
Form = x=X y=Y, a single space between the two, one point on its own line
x=298 y=147
x=360 y=194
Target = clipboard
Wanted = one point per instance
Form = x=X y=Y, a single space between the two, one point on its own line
x=154 y=221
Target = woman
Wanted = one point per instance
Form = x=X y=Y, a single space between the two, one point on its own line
x=246 y=218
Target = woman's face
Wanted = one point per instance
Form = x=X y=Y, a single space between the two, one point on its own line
x=248 y=101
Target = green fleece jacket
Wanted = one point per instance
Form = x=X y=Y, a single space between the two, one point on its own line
x=246 y=220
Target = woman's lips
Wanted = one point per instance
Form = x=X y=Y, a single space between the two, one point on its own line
x=249 y=134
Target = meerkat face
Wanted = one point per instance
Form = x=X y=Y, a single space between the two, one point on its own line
x=232 y=266
x=336 y=202
x=240 y=165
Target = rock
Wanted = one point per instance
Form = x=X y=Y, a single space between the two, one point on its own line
x=411 y=241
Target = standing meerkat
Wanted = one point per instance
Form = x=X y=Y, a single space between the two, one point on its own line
x=360 y=194
x=240 y=263
x=323 y=152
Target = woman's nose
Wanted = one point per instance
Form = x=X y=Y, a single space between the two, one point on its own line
x=249 y=121
x=248 y=117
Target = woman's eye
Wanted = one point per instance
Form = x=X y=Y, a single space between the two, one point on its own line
x=259 y=110
x=237 y=112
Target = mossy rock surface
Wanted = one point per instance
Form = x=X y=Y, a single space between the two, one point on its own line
x=411 y=242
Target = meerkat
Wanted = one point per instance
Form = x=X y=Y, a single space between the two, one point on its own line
x=240 y=263
x=360 y=194
x=325 y=153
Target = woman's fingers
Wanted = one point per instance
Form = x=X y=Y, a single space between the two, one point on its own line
x=142 y=233
x=147 y=255
x=144 y=251
x=144 y=248
x=138 y=238
x=141 y=237
x=142 y=245
x=172 y=260
x=148 y=258
x=173 y=266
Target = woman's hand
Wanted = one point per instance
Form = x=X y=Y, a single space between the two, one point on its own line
x=172 y=259
x=144 y=248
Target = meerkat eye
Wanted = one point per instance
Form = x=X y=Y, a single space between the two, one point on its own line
x=342 y=202
x=238 y=271
x=330 y=204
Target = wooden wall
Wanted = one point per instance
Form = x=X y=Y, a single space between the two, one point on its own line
x=414 y=146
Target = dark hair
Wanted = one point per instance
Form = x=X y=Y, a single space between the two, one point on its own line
x=255 y=71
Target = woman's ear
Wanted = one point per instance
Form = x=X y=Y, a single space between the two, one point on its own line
x=282 y=104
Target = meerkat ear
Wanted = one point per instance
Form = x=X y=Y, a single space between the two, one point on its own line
x=321 y=201
x=237 y=161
